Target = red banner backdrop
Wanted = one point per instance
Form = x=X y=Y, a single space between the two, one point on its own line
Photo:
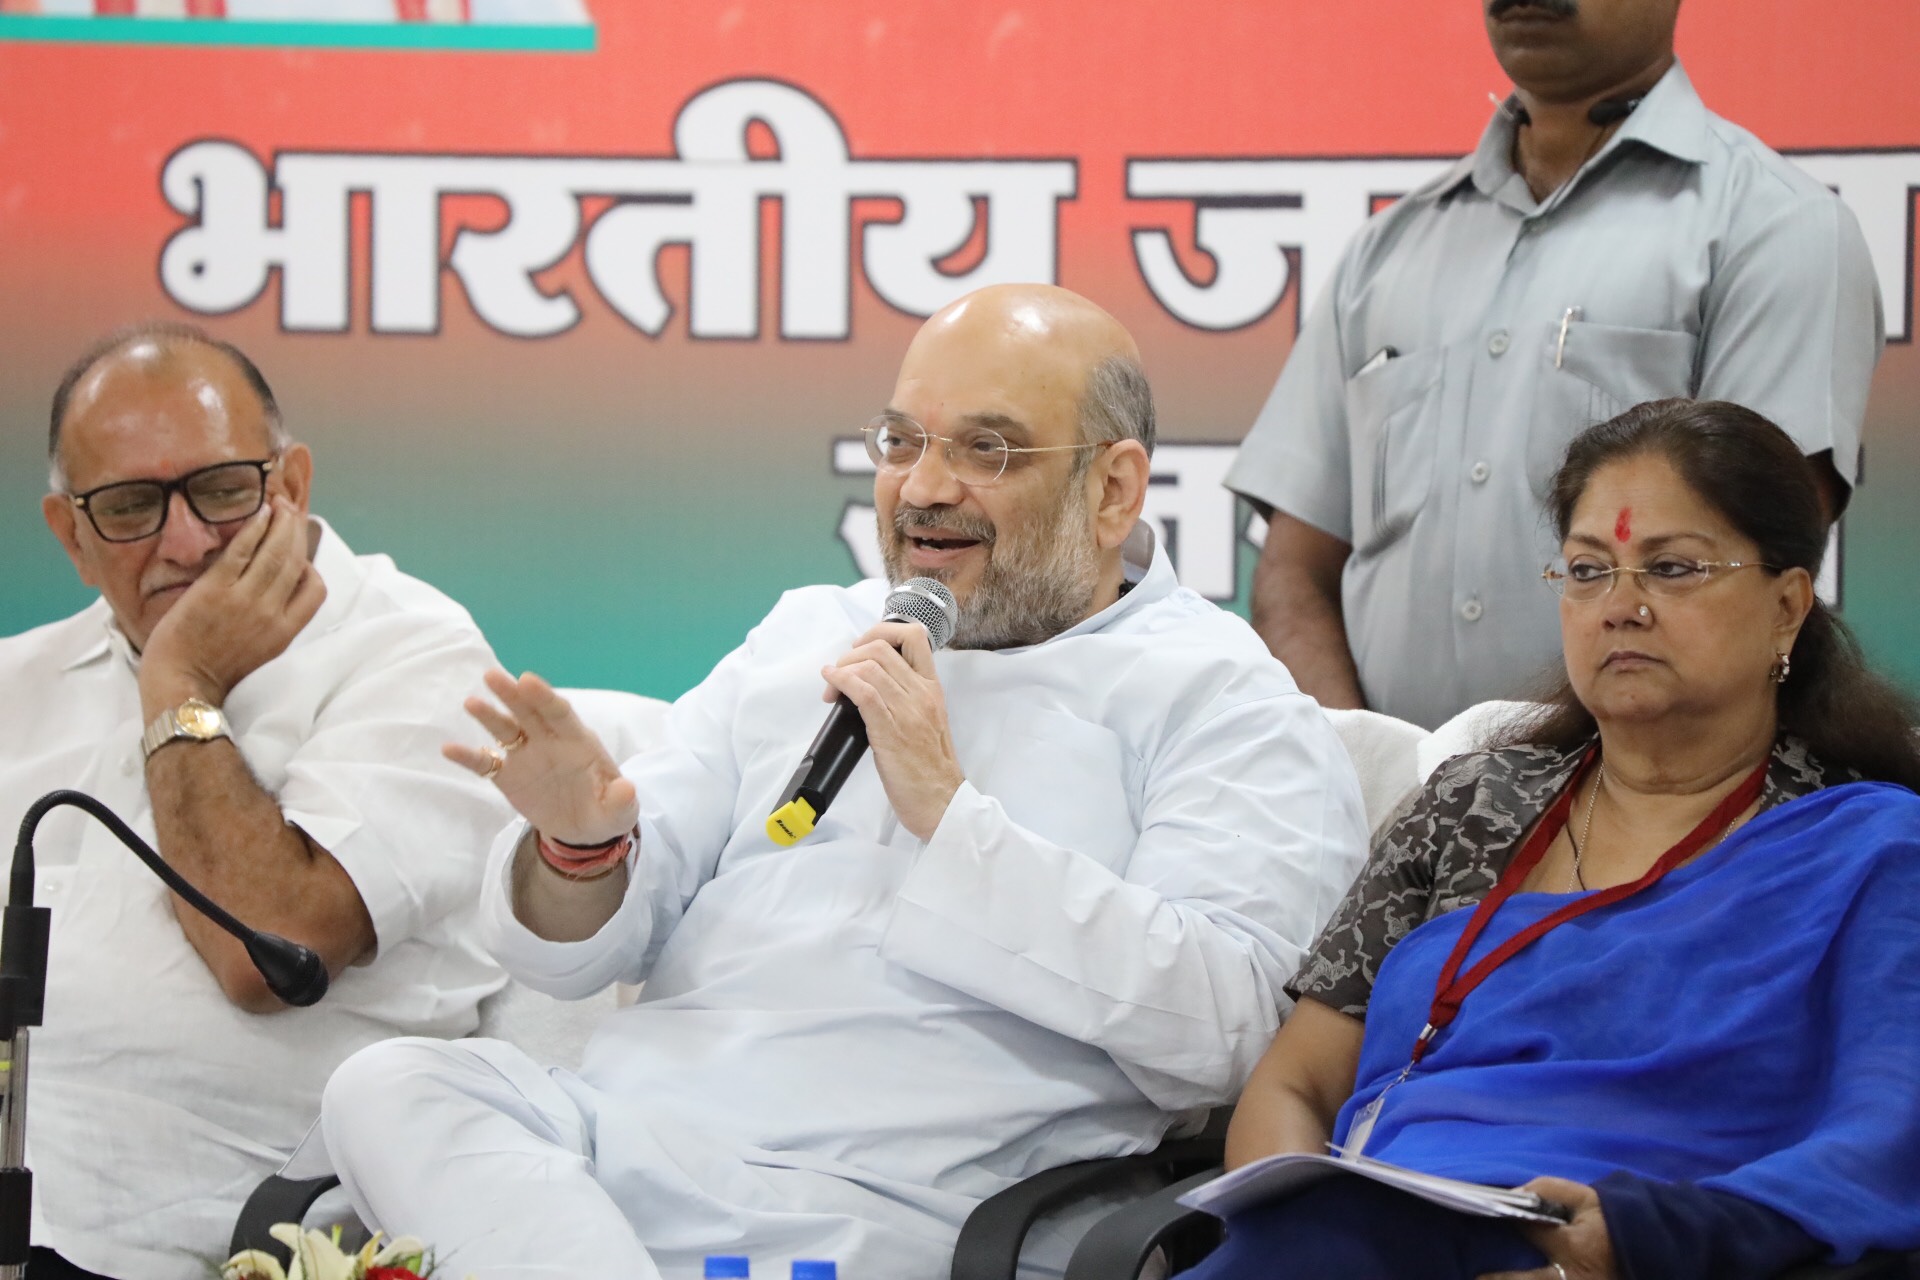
x=575 y=316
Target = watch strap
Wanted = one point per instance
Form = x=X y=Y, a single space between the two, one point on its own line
x=168 y=727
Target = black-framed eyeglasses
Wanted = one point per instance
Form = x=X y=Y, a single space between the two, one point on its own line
x=136 y=509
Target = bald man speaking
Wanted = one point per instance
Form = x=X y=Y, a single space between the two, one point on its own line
x=1047 y=918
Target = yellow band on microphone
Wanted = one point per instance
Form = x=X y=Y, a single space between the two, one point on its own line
x=792 y=822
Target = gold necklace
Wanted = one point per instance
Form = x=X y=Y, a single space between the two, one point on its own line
x=1586 y=832
x=1578 y=882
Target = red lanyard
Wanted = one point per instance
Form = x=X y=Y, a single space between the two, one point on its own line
x=1454 y=987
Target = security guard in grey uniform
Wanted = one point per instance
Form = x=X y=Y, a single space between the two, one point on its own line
x=1610 y=241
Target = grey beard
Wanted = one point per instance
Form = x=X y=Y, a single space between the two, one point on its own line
x=1031 y=589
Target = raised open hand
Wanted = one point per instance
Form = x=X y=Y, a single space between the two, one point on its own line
x=547 y=763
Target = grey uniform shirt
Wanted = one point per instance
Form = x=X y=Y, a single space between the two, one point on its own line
x=1701 y=263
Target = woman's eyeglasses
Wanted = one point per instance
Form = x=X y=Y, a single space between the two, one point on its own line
x=1588 y=578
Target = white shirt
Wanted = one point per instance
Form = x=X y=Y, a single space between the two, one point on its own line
x=1156 y=823
x=155 y=1105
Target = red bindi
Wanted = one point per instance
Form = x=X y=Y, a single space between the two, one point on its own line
x=1623 y=527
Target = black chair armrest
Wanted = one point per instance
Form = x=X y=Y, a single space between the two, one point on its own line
x=1119 y=1244
x=276 y=1200
x=1874 y=1266
x=989 y=1244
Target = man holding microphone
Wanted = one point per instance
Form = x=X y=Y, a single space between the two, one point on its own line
x=1047 y=920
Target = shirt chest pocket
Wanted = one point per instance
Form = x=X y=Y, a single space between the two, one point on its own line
x=1068 y=781
x=1599 y=372
x=1392 y=421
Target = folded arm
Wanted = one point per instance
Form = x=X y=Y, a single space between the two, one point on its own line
x=220 y=830
x=214 y=821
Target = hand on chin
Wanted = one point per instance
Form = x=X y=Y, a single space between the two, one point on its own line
x=240 y=613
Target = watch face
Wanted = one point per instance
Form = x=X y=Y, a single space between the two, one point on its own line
x=198 y=719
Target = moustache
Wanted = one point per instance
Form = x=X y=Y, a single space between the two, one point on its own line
x=952 y=520
x=159 y=583
x=1558 y=8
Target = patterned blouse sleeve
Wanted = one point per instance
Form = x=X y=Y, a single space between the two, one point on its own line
x=1392 y=895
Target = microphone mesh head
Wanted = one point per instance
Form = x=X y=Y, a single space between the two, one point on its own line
x=927 y=602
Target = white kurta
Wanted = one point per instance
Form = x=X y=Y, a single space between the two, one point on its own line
x=155 y=1104
x=844 y=1045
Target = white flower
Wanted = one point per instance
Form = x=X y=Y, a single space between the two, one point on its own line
x=397 y=1252
x=252 y=1264
x=315 y=1256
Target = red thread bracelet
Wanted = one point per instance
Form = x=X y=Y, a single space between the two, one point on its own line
x=589 y=862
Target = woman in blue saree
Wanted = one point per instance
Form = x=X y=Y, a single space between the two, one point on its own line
x=1657 y=957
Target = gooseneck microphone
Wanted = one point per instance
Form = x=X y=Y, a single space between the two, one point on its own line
x=842 y=740
x=292 y=972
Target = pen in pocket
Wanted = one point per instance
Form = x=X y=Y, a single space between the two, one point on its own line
x=1378 y=358
x=1560 y=348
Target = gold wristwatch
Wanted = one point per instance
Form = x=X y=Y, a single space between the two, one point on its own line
x=191 y=721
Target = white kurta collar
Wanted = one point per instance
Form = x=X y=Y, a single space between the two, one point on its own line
x=106 y=633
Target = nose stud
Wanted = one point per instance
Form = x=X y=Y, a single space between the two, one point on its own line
x=1645 y=613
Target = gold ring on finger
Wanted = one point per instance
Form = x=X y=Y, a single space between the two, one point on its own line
x=519 y=740
x=496 y=760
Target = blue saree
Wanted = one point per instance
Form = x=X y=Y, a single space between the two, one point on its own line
x=1751 y=1024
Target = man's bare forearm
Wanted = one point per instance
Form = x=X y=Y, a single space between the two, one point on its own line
x=559 y=909
x=224 y=833
x=1296 y=610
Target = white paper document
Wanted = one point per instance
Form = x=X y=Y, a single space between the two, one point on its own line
x=1277 y=1177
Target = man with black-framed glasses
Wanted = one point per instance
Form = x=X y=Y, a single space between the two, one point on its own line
x=263 y=705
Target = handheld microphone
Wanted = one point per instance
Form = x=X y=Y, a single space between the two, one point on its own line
x=842 y=740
